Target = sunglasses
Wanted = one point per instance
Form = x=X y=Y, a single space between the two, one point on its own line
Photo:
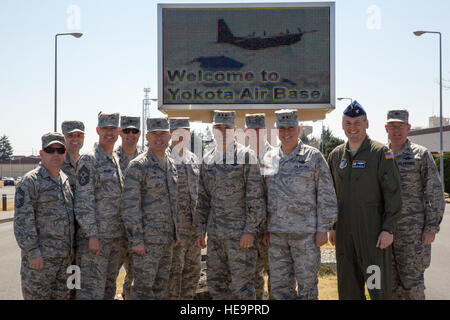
x=128 y=131
x=52 y=150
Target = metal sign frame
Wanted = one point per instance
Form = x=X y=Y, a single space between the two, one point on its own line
x=246 y=106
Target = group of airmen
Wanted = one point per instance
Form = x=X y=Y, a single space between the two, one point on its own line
x=257 y=209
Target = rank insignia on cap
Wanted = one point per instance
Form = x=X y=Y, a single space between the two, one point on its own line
x=389 y=155
x=343 y=164
x=361 y=164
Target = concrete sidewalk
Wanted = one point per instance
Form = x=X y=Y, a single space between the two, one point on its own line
x=6 y=216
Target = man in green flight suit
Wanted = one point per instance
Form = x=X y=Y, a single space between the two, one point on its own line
x=367 y=184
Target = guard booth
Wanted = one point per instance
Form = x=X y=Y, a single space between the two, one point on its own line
x=251 y=58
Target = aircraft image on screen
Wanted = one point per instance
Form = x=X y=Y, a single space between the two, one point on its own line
x=252 y=42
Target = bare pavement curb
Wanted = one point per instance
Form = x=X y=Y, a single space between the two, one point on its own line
x=6 y=216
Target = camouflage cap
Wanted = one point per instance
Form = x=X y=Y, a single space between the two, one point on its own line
x=224 y=117
x=398 y=116
x=72 y=126
x=108 y=119
x=286 y=118
x=354 y=110
x=255 y=120
x=158 y=124
x=52 y=137
x=177 y=123
x=130 y=122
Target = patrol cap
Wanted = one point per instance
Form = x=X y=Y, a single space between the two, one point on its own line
x=130 y=122
x=72 y=126
x=286 y=118
x=108 y=119
x=179 y=123
x=52 y=137
x=255 y=120
x=158 y=124
x=398 y=116
x=354 y=110
x=224 y=117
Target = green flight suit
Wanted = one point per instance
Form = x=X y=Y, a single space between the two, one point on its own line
x=369 y=201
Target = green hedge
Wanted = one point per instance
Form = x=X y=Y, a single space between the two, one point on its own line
x=446 y=168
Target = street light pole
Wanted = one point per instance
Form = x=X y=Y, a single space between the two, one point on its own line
x=351 y=100
x=441 y=148
x=76 y=35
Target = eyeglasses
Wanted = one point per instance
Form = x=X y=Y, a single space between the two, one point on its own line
x=400 y=126
x=52 y=150
x=128 y=131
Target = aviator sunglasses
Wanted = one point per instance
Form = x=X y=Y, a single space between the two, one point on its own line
x=52 y=150
x=128 y=131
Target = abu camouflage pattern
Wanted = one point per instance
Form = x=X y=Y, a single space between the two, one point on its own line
x=98 y=195
x=43 y=215
x=231 y=196
x=150 y=216
x=149 y=200
x=300 y=193
x=44 y=227
x=125 y=159
x=423 y=207
x=185 y=270
x=97 y=210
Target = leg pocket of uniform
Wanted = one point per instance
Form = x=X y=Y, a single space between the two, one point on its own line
x=424 y=256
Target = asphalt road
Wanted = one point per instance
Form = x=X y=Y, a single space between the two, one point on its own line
x=10 y=264
x=437 y=277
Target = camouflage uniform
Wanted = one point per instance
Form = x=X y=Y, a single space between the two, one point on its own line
x=422 y=211
x=69 y=167
x=98 y=213
x=124 y=160
x=186 y=258
x=149 y=214
x=44 y=227
x=230 y=203
x=262 y=258
x=301 y=201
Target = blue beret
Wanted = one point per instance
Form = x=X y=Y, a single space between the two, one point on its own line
x=354 y=110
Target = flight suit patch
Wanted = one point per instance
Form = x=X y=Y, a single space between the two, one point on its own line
x=343 y=164
x=359 y=164
x=389 y=155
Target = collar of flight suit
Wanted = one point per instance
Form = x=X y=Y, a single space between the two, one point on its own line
x=365 y=145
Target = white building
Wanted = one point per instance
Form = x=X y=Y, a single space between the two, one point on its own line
x=430 y=138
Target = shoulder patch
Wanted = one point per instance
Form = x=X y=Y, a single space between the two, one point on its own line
x=83 y=175
x=20 y=198
x=389 y=155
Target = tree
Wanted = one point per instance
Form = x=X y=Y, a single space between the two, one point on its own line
x=329 y=142
x=313 y=142
x=6 y=151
